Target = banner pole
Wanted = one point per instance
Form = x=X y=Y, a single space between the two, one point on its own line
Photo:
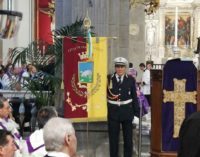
x=140 y=131
x=87 y=138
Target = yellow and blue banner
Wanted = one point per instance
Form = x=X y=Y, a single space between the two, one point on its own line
x=85 y=78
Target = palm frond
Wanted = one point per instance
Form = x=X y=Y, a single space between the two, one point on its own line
x=32 y=54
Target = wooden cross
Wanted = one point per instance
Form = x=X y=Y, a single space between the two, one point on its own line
x=179 y=96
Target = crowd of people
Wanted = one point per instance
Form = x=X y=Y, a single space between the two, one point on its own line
x=16 y=78
x=12 y=77
x=47 y=142
x=44 y=142
x=123 y=105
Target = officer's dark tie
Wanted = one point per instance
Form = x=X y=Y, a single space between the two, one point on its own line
x=119 y=80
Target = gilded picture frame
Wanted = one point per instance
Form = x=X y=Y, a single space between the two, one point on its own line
x=184 y=29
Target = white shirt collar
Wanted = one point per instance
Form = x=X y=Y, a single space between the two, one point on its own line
x=117 y=77
x=57 y=154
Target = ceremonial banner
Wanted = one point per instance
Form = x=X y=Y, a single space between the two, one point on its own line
x=85 y=79
x=97 y=98
x=74 y=93
x=179 y=99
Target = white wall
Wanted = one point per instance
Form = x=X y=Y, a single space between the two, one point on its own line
x=24 y=35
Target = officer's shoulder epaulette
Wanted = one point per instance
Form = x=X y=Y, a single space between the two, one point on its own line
x=109 y=76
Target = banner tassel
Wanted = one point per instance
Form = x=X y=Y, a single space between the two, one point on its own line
x=89 y=44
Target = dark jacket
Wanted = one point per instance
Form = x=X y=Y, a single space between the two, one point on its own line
x=126 y=90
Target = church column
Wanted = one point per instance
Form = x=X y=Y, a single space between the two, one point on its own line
x=161 y=34
x=118 y=27
x=124 y=29
x=196 y=26
x=113 y=30
x=1 y=41
x=63 y=14
x=136 y=36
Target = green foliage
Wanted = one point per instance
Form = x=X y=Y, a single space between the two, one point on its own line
x=74 y=30
x=32 y=54
x=43 y=88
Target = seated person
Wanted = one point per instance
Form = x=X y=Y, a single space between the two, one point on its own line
x=7 y=144
x=34 y=144
x=60 y=141
x=8 y=124
x=4 y=79
x=190 y=136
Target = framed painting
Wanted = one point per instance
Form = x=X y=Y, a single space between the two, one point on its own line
x=85 y=72
x=184 y=29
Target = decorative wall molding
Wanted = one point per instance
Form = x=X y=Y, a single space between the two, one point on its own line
x=156 y=24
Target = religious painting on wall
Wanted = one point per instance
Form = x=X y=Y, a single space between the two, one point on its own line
x=85 y=72
x=183 y=29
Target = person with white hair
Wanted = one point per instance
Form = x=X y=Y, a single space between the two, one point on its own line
x=34 y=144
x=61 y=141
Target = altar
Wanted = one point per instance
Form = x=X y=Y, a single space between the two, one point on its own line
x=19 y=94
x=175 y=96
x=174 y=25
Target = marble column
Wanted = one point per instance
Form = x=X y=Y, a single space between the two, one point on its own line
x=137 y=36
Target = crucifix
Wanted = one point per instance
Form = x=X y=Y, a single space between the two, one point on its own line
x=179 y=96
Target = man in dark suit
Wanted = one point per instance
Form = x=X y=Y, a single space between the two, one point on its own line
x=122 y=106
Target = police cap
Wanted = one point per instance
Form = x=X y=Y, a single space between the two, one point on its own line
x=120 y=61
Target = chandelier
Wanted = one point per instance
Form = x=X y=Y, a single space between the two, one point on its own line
x=9 y=21
x=150 y=5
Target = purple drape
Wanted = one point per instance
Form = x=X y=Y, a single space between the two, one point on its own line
x=180 y=70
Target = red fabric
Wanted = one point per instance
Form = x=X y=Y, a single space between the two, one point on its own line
x=71 y=58
x=44 y=23
x=45 y=28
x=44 y=3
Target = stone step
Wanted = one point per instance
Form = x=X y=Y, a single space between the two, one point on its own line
x=97 y=144
x=145 y=148
x=145 y=154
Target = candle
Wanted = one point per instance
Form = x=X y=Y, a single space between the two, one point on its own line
x=176 y=28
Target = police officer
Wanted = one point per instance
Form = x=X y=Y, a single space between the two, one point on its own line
x=122 y=105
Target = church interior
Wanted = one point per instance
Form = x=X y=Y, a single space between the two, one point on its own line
x=70 y=54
